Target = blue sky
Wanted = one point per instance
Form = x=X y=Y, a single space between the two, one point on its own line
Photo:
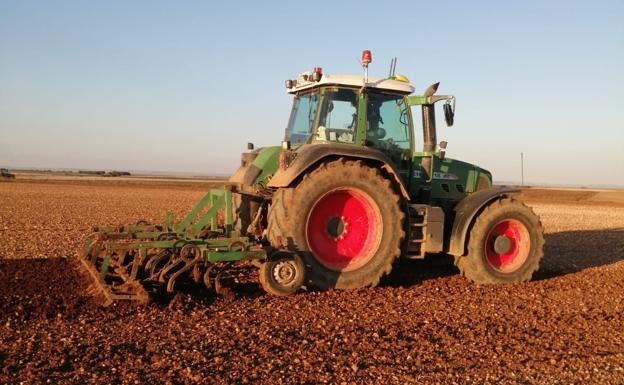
x=183 y=86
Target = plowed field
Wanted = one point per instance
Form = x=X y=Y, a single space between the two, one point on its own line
x=424 y=324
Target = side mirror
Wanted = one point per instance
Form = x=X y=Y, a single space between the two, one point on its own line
x=449 y=113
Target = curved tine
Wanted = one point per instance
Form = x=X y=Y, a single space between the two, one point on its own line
x=184 y=251
x=175 y=275
x=178 y=244
x=219 y=288
x=197 y=273
x=217 y=283
x=167 y=269
x=207 y=280
x=189 y=249
x=151 y=264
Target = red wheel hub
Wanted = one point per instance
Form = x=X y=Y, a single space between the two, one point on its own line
x=507 y=245
x=344 y=229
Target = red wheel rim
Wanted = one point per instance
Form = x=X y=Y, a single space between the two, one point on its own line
x=344 y=229
x=507 y=245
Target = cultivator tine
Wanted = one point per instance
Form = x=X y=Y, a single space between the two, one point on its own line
x=197 y=272
x=207 y=279
x=218 y=287
x=187 y=266
x=186 y=253
x=153 y=263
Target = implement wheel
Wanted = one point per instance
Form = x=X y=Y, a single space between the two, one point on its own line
x=282 y=275
x=506 y=244
x=344 y=219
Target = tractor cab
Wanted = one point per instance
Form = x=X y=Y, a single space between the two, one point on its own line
x=340 y=109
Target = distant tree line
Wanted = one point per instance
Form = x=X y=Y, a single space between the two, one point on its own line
x=104 y=173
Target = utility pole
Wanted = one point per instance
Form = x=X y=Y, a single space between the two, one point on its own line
x=522 y=167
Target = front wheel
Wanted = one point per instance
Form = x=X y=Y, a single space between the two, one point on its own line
x=506 y=244
x=282 y=275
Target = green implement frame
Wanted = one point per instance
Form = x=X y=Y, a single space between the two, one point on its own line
x=125 y=260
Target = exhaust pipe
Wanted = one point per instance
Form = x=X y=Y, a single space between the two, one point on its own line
x=429 y=131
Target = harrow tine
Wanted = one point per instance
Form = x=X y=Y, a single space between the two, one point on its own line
x=152 y=263
x=217 y=284
x=207 y=279
x=188 y=266
x=170 y=266
x=197 y=273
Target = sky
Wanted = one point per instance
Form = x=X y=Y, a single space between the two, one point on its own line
x=183 y=86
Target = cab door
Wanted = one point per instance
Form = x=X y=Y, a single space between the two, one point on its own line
x=389 y=129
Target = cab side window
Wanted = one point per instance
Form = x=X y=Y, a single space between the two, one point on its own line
x=388 y=125
x=302 y=117
x=338 y=118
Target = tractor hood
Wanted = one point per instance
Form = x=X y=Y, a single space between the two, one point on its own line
x=453 y=179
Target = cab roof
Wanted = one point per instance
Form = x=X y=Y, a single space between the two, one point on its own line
x=304 y=82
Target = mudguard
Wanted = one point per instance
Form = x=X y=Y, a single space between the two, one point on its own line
x=466 y=210
x=256 y=168
x=310 y=154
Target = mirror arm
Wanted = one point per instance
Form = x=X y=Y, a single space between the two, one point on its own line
x=436 y=98
x=419 y=100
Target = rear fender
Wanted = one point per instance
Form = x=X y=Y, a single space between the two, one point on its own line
x=467 y=210
x=309 y=155
x=256 y=168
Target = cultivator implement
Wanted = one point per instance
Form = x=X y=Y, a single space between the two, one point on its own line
x=130 y=262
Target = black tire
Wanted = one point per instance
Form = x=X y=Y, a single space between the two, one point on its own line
x=484 y=264
x=283 y=274
x=290 y=210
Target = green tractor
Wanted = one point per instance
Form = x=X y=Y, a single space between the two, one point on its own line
x=345 y=195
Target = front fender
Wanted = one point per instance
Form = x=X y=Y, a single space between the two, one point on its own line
x=467 y=210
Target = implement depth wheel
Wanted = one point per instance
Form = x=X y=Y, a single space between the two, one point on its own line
x=345 y=221
x=282 y=275
x=506 y=244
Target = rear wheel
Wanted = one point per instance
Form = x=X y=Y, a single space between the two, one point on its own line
x=506 y=244
x=346 y=222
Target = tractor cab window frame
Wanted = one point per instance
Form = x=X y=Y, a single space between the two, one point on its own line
x=338 y=115
x=303 y=117
x=389 y=124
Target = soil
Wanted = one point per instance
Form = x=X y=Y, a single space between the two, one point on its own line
x=424 y=324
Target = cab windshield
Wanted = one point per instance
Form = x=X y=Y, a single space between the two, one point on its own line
x=302 y=116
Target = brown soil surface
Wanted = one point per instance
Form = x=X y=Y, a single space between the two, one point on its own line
x=587 y=197
x=425 y=324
